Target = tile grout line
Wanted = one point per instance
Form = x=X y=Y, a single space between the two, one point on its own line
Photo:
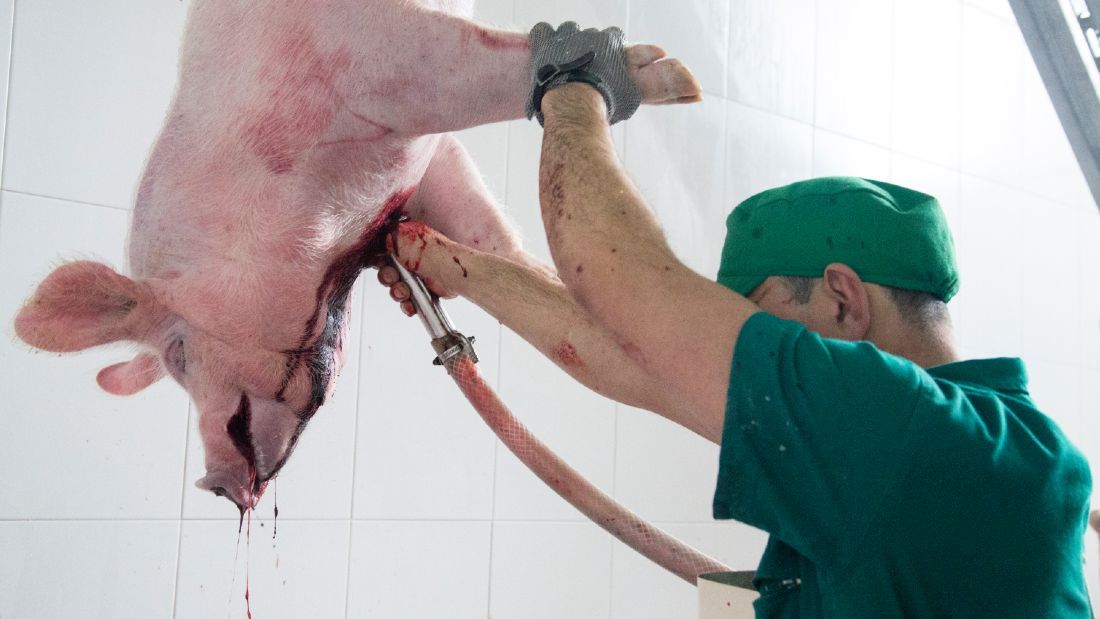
x=919 y=157
x=890 y=106
x=813 y=114
x=355 y=444
x=615 y=409
x=959 y=134
x=228 y=521
x=64 y=199
x=7 y=97
x=500 y=372
x=500 y=366
x=179 y=531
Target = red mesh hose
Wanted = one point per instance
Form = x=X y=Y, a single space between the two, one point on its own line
x=628 y=527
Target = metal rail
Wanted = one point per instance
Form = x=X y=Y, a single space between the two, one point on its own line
x=1062 y=36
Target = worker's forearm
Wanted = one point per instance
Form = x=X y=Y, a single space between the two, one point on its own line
x=538 y=307
x=607 y=246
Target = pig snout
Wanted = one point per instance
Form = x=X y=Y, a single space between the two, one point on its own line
x=247 y=449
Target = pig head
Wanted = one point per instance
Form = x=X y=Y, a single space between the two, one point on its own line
x=298 y=132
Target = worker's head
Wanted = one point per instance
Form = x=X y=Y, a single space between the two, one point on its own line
x=847 y=257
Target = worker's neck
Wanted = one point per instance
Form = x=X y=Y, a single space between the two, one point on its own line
x=927 y=347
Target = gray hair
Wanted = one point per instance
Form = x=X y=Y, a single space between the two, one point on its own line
x=919 y=309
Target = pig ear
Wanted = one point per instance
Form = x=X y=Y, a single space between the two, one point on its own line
x=84 y=304
x=132 y=376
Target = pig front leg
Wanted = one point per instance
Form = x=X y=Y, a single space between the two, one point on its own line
x=451 y=73
x=453 y=199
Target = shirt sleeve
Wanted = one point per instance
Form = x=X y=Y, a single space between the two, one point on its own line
x=813 y=436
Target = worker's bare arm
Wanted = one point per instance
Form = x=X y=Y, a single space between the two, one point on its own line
x=533 y=303
x=612 y=256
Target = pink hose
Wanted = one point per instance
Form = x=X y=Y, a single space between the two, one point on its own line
x=651 y=542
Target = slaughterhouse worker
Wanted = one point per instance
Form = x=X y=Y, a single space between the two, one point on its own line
x=894 y=478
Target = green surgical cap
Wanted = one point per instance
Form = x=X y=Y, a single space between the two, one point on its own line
x=887 y=234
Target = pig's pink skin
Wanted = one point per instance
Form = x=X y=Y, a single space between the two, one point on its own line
x=294 y=134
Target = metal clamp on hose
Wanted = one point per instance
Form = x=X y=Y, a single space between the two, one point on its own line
x=446 y=340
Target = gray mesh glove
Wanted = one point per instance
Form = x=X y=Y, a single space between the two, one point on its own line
x=595 y=57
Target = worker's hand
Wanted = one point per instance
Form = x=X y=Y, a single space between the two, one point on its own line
x=1094 y=520
x=439 y=261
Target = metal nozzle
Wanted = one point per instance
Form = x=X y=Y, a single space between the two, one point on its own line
x=446 y=340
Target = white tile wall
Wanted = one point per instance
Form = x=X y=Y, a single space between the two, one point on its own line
x=677 y=158
x=7 y=8
x=119 y=568
x=993 y=53
x=550 y=570
x=90 y=84
x=296 y=571
x=838 y=155
x=989 y=307
x=1089 y=227
x=927 y=39
x=419 y=569
x=662 y=471
x=414 y=423
x=1051 y=294
x=763 y=151
x=71 y=450
x=400 y=502
x=854 y=61
x=575 y=423
x=771 y=60
x=999 y=8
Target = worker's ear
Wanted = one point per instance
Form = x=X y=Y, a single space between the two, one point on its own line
x=847 y=294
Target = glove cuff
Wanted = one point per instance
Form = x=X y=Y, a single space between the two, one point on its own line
x=551 y=76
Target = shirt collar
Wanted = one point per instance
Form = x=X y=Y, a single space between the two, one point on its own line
x=1004 y=374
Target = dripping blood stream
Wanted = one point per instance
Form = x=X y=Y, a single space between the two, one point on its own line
x=248 y=545
x=247 y=511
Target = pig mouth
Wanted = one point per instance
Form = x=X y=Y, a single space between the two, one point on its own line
x=240 y=432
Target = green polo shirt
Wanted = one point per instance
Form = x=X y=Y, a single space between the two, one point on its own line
x=890 y=490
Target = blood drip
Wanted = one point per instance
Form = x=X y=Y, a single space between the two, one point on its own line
x=275 y=528
x=248 y=540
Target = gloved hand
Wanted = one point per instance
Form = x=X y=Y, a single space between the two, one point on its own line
x=595 y=57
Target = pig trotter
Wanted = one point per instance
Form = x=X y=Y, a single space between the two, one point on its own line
x=595 y=57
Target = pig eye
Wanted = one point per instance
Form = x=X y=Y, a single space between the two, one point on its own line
x=176 y=358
